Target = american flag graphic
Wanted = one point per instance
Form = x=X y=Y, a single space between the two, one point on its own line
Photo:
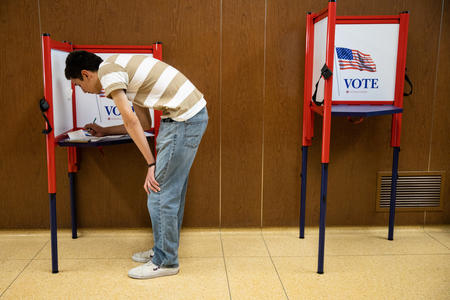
x=355 y=60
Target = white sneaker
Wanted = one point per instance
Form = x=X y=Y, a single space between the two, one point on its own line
x=149 y=270
x=144 y=256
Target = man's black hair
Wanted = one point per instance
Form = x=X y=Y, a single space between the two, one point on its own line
x=81 y=60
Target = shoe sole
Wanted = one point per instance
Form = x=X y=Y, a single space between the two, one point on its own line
x=150 y=277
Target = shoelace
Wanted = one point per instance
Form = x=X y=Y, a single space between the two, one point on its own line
x=151 y=264
x=145 y=254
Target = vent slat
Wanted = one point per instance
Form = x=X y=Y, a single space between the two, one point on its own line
x=414 y=179
x=412 y=200
x=412 y=192
x=399 y=194
x=413 y=184
x=417 y=191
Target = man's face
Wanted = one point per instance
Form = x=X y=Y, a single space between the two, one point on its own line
x=89 y=84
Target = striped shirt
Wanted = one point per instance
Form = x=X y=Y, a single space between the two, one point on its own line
x=151 y=83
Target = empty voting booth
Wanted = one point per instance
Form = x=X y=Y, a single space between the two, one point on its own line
x=354 y=67
x=67 y=109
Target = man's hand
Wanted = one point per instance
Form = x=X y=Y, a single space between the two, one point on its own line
x=95 y=129
x=150 y=181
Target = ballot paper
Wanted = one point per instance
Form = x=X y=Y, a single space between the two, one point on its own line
x=82 y=136
x=79 y=136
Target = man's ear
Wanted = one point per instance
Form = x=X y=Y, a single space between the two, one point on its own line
x=84 y=74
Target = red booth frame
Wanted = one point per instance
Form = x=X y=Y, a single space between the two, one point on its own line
x=352 y=108
x=52 y=141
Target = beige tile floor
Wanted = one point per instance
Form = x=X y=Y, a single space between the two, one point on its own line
x=272 y=263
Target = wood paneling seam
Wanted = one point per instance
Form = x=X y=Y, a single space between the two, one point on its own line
x=263 y=100
x=435 y=85
x=39 y=18
x=220 y=115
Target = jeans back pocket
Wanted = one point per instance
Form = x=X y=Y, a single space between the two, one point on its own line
x=193 y=132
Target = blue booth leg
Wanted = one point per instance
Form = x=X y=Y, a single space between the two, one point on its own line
x=73 y=206
x=53 y=232
x=323 y=210
x=303 y=190
x=393 y=193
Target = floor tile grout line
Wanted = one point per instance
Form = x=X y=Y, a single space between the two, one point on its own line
x=327 y=255
x=427 y=229
x=122 y=258
x=116 y=258
x=437 y=240
x=40 y=250
x=26 y=266
x=225 y=264
x=275 y=267
x=361 y=255
x=277 y=256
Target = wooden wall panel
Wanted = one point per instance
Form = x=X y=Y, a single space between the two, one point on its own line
x=23 y=179
x=440 y=139
x=241 y=111
x=421 y=65
x=283 y=107
x=359 y=151
x=247 y=57
x=110 y=187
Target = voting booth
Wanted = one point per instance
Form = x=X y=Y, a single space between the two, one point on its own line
x=354 y=67
x=67 y=109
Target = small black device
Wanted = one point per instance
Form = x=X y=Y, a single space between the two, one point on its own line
x=326 y=73
x=44 y=106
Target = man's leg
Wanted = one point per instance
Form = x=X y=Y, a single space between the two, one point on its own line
x=177 y=146
x=173 y=189
x=181 y=210
x=168 y=139
x=163 y=205
x=171 y=201
x=182 y=204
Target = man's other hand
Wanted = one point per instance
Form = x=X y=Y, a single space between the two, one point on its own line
x=150 y=183
x=95 y=129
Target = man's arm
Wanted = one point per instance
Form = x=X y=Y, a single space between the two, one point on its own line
x=142 y=113
x=97 y=130
x=144 y=117
x=136 y=132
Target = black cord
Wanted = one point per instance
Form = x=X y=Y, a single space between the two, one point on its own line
x=410 y=85
x=44 y=106
x=326 y=73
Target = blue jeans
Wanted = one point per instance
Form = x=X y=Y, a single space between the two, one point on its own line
x=176 y=146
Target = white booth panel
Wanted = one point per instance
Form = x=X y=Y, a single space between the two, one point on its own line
x=320 y=51
x=62 y=94
x=365 y=62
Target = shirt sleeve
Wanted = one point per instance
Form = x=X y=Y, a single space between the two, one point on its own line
x=112 y=77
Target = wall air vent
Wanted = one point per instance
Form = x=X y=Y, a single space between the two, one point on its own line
x=416 y=191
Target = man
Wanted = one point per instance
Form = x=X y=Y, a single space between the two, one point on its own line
x=149 y=83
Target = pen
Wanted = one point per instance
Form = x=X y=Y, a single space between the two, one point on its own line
x=94 y=120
